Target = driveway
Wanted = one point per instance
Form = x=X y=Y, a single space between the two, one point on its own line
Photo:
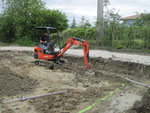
x=142 y=59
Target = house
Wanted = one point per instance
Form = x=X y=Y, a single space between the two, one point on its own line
x=130 y=19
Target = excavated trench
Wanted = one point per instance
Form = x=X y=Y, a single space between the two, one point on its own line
x=20 y=77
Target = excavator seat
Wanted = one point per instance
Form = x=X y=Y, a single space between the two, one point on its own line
x=42 y=46
x=48 y=49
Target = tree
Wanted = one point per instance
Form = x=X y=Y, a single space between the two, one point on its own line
x=20 y=17
x=144 y=20
x=82 y=23
x=73 y=24
x=87 y=24
x=54 y=18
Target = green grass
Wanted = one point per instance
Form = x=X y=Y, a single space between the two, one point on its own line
x=24 y=42
x=139 y=41
x=4 y=44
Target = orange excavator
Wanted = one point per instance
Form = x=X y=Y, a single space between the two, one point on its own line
x=47 y=51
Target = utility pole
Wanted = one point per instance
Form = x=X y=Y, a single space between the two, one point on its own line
x=100 y=24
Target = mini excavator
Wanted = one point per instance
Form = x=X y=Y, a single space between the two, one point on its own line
x=46 y=53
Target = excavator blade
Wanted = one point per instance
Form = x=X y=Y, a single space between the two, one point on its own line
x=50 y=64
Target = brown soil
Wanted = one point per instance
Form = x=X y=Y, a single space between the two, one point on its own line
x=13 y=83
x=20 y=77
x=142 y=106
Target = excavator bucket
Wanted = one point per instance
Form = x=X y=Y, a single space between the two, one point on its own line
x=89 y=72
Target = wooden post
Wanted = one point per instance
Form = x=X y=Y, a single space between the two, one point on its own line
x=100 y=23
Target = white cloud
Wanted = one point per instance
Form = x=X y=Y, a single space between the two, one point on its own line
x=88 y=8
x=130 y=7
x=0 y=7
x=75 y=8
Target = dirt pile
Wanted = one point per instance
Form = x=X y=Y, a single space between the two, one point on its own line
x=108 y=65
x=12 y=83
x=142 y=106
x=70 y=102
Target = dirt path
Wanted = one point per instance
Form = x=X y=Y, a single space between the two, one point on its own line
x=20 y=77
x=142 y=59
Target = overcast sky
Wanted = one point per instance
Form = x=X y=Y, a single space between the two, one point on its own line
x=0 y=6
x=88 y=8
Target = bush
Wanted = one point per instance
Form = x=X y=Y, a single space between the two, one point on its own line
x=25 y=41
x=21 y=17
x=119 y=37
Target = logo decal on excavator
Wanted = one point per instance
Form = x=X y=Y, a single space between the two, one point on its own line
x=68 y=45
x=46 y=56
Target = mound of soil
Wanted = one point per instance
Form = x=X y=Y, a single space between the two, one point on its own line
x=108 y=65
x=69 y=101
x=142 y=106
x=12 y=83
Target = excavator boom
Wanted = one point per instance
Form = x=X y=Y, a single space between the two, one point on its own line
x=81 y=42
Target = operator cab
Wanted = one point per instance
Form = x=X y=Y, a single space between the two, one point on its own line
x=48 y=39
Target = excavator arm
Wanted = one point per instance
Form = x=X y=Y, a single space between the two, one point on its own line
x=81 y=42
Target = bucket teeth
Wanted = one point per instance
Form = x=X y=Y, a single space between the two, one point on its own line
x=89 y=72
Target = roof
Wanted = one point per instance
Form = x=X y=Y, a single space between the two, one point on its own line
x=134 y=17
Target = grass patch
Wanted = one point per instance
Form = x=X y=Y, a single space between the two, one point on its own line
x=25 y=41
x=3 y=44
x=139 y=41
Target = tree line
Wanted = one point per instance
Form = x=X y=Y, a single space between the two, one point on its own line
x=117 y=35
x=20 y=17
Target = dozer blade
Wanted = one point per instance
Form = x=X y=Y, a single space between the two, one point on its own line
x=51 y=64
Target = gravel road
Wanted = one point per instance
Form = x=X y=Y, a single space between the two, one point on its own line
x=142 y=59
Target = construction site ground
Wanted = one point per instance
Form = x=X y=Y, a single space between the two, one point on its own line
x=106 y=92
